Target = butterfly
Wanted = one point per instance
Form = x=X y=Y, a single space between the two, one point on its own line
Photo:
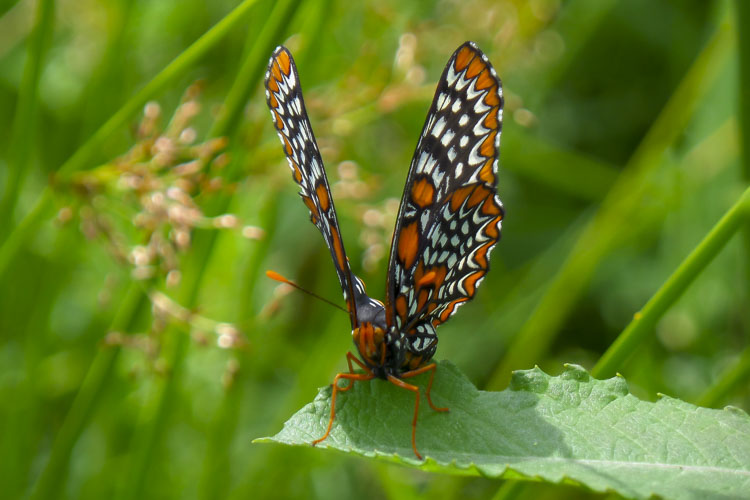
x=448 y=221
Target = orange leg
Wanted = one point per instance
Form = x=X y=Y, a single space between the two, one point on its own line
x=349 y=358
x=400 y=383
x=413 y=388
x=351 y=377
x=431 y=367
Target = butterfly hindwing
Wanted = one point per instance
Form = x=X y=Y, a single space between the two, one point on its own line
x=284 y=97
x=450 y=215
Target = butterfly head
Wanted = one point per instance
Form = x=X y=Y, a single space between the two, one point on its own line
x=380 y=345
x=381 y=348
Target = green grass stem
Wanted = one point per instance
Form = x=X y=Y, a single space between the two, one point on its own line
x=98 y=376
x=733 y=377
x=23 y=128
x=645 y=320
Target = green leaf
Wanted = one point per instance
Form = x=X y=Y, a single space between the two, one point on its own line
x=571 y=428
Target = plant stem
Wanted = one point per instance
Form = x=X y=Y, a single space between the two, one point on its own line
x=742 y=11
x=23 y=131
x=732 y=378
x=99 y=374
x=645 y=320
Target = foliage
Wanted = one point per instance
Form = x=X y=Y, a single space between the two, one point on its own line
x=567 y=428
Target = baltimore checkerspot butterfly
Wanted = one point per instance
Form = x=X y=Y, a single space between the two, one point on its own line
x=448 y=222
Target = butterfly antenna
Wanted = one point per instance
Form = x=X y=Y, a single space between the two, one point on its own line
x=277 y=277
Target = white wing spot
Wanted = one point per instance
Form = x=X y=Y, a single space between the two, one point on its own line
x=448 y=137
x=439 y=126
x=442 y=101
x=459 y=169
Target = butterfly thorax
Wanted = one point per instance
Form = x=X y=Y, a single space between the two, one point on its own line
x=372 y=336
x=383 y=348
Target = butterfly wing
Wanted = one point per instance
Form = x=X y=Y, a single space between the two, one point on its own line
x=450 y=215
x=284 y=97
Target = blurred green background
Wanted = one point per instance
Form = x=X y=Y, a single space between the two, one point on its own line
x=141 y=352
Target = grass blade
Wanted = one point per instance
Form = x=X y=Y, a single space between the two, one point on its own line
x=676 y=284
x=26 y=109
x=53 y=475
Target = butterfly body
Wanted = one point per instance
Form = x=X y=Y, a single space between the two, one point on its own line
x=449 y=218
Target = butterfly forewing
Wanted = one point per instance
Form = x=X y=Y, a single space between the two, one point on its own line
x=284 y=97
x=450 y=214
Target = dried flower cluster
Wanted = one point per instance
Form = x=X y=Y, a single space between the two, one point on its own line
x=144 y=206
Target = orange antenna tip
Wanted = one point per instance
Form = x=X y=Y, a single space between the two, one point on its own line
x=276 y=276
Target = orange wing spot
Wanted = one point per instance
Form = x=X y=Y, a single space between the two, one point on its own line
x=488 y=146
x=491 y=208
x=450 y=308
x=485 y=80
x=431 y=308
x=491 y=230
x=486 y=174
x=408 y=244
x=476 y=67
x=284 y=61
x=492 y=98
x=287 y=147
x=480 y=257
x=440 y=273
x=478 y=196
x=459 y=196
x=278 y=121
x=297 y=172
x=427 y=279
x=272 y=101
x=338 y=249
x=418 y=272
x=423 y=296
x=311 y=206
x=325 y=201
x=463 y=58
x=491 y=120
x=470 y=285
x=401 y=307
x=423 y=192
x=276 y=70
x=273 y=85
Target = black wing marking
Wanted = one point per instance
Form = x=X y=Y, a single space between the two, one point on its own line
x=284 y=97
x=450 y=215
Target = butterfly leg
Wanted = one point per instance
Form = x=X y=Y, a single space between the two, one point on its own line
x=413 y=388
x=349 y=358
x=351 y=377
x=432 y=367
